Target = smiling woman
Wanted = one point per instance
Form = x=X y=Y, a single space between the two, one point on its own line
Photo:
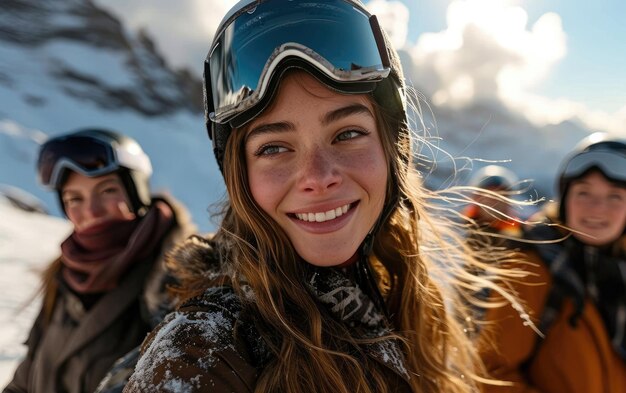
x=107 y=288
x=329 y=272
x=582 y=309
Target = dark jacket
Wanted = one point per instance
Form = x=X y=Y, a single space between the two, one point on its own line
x=581 y=349
x=211 y=344
x=76 y=348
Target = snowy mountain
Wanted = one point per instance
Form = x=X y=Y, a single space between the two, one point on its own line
x=69 y=64
x=89 y=56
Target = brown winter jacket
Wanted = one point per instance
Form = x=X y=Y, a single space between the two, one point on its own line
x=572 y=359
x=76 y=348
x=210 y=344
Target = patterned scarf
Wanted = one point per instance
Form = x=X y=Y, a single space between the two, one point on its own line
x=349 y=304
x=95 y=260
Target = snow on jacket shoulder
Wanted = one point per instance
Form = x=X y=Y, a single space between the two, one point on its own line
x=195 y=349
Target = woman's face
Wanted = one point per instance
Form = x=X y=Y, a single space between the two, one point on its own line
x=597 y=208
x=316 y=165
x=93 y=201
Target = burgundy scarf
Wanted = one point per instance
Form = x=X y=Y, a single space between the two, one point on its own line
x=95 y=260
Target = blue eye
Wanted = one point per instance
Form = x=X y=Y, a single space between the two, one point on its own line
x=268 y=150
x=350 y=134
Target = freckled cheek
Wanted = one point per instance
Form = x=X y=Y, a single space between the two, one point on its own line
x=372 y=160
x=269 y=186
x=370 y=167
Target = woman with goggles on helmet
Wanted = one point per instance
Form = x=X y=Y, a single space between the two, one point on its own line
x=107 y=289
x=577 y=294
x=321 y=277
x=490 y=213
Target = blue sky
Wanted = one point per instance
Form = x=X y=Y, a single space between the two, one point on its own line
x=593 y=70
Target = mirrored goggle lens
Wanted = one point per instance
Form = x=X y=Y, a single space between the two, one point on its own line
x=612 y=164
x=337 y=36
x=86 y=155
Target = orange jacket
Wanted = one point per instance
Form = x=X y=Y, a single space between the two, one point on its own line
x=570 y=359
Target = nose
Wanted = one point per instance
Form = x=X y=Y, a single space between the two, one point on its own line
x=95 y=207
x=598 y=205
x=319 y=171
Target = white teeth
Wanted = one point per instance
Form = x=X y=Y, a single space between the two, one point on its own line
x=325 y=216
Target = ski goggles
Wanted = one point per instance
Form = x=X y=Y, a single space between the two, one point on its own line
x=87 y=155
x=495 y=183
x=336 y=38
x=610 y=163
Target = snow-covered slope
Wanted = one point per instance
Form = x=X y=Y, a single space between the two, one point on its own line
x=28 y=241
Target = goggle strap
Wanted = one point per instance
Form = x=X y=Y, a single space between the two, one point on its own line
x=380 y=41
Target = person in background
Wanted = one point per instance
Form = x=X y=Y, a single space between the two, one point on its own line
x=330 y=271
x=493 y=221
x=108 y=287
x=492 y=214
x=576 y=292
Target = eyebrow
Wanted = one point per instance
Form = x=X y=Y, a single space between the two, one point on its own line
x=104 y=183
x=338 y=114
x=283 y=126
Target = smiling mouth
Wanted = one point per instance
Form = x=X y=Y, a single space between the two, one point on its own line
x=594 y=224
x=323 y=216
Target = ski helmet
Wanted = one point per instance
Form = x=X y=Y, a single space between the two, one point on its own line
x=494 y=177
x=97 y=152
x=599 y=151
x=338 y=41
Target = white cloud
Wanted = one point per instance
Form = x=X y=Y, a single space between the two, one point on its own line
x=488 y=52
x=488 y=46
x=393 y=16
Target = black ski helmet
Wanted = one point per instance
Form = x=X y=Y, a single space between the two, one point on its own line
x=338 y=41
x=599 y=151
x=96 y=152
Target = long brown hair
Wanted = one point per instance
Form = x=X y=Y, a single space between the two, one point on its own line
x=421 y=268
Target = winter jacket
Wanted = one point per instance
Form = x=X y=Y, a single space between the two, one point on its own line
x=75 y=349
x=581 y=349
x=211 y=344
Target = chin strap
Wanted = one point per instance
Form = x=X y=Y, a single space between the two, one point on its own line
x=365 y=278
